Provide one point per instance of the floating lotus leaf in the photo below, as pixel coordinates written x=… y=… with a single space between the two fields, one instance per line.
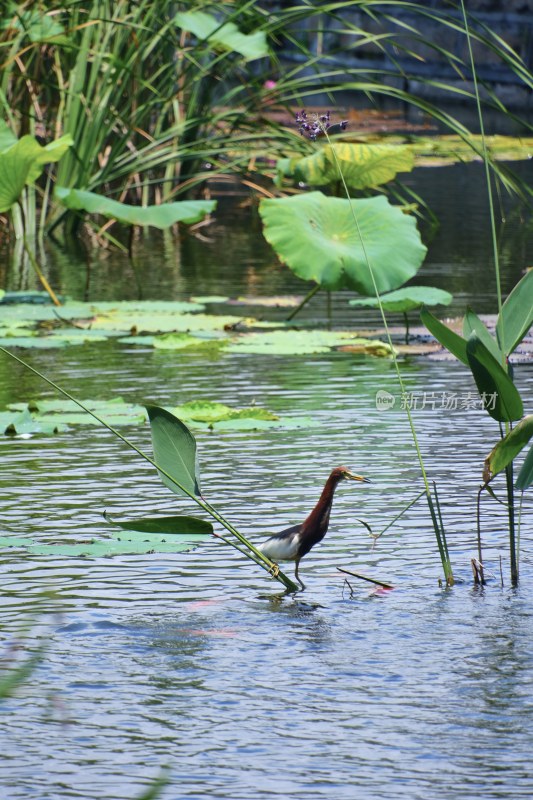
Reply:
x=316 y=236
x=121 y=543
x=297 y=342
x=53 y=416
x=407 y=299
x=159 y=216
x=363 y=165
x=208 y=411
x=225 y=36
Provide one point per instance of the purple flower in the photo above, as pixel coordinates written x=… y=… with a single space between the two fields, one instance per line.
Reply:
x=317 y=126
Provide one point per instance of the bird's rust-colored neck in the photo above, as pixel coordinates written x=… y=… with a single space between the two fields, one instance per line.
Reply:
x=318 y=519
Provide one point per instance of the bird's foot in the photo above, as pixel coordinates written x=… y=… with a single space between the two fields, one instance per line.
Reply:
x=274 y=571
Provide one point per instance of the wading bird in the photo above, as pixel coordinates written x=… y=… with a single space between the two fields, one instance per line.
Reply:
x=294 y=543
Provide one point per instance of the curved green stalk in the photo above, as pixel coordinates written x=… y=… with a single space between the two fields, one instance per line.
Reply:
x=254 y=554
x=439 y=531
x=496 y=256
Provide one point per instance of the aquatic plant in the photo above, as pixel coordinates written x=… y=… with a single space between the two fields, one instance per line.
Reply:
x=175 y=460
x=487 y=357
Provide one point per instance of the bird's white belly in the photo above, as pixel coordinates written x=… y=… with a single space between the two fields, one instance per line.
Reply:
x=281 y=549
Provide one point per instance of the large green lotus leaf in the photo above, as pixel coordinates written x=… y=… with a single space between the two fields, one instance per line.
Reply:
x=159 y=216
x=174 y=451
x=318 y=238
x=407 y=299
x=363 y=165
x=23 y=162
x=225 y=36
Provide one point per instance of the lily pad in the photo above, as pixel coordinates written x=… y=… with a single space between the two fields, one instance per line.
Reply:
x=300 y=342
x=119 y=544
x=208 y=411
x=53 y=416
x=318 y=238
x=407 y=299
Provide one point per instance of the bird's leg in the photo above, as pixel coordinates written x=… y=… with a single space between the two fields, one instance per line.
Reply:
x=302 y=584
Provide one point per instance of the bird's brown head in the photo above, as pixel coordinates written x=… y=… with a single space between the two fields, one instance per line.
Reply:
x=345 y=474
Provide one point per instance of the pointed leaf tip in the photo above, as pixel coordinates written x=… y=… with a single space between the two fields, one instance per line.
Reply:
x=174 y=451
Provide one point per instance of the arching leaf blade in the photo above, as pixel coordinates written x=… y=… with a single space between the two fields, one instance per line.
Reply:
x=525 y=476
x=506 y=450
x=473 y=324
x=180 y=525
x=174 y=451
x=454 y=343
x=498 y=392
x=516 y=316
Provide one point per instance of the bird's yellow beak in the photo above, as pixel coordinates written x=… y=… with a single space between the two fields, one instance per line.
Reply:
x=351 y=476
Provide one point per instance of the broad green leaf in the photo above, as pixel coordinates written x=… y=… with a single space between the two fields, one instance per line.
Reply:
x=124 y=542
x=317 y=238
x=159 y=216
x=165 y=526
x=208 y=411
x=363 y=165
x=15 y=541
x=300 y=342
x=7 y=137
x=174 y=451
x=473 y=324
x=406 y=299
x=499 y=394
x=454 y=343
x=225 y=36
x=525 y=476
x=23 y=162
x=118 y=545
x=517 y=315
x=508 y=448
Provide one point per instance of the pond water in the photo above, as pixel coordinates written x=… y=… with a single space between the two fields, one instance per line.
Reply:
x=198 y=661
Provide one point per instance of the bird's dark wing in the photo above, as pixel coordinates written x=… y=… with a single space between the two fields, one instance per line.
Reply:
x=288 y=532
